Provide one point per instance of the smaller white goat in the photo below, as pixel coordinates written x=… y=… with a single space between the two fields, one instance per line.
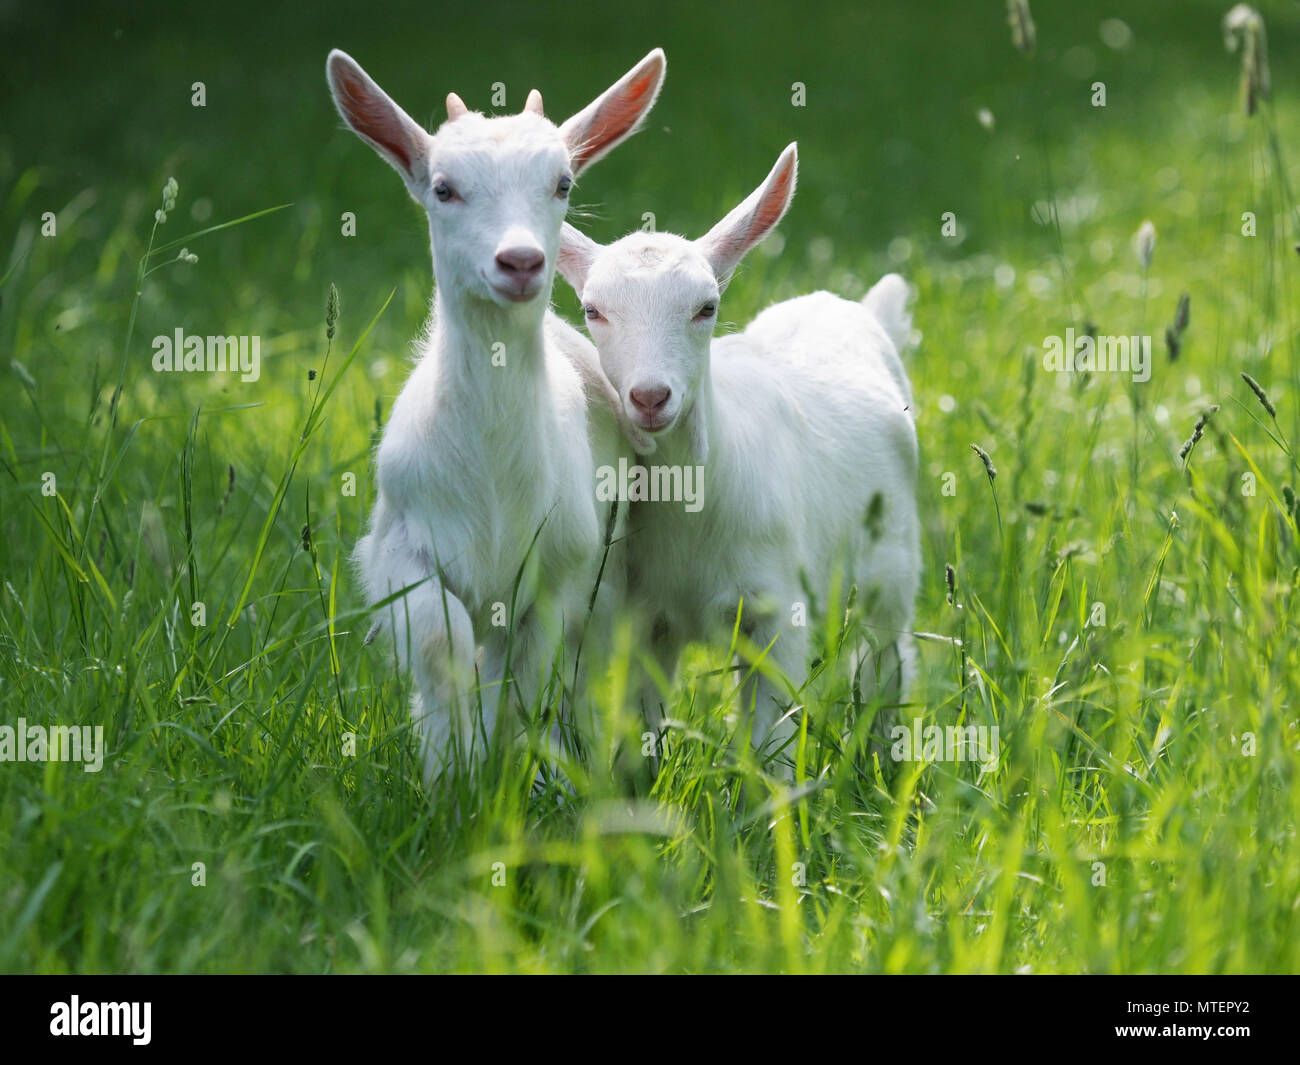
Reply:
x=803 y=428
x=486 y=512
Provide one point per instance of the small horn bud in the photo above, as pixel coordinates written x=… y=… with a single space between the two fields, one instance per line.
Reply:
x=455 y=107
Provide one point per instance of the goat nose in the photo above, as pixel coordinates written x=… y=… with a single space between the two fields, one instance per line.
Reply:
x=521 y=263
x=649 y=400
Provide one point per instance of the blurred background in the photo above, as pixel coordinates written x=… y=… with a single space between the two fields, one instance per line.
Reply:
x=95 y=103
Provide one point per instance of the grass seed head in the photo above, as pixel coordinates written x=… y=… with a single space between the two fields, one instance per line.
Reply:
x=331 y=311
x=1198 y=431
x=230 y=487
x=1258 y=389
x=168 y=200
x=989 y=468
x=1244 y=26
x=1144 y=243
x=1023 y=34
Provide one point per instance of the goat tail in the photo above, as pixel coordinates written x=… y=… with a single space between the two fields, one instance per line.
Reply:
x=887 y=300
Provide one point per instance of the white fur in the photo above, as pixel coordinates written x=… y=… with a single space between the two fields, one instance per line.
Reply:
x=485 y=471
x=800 y=422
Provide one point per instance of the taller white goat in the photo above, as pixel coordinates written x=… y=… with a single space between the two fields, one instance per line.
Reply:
x=803 y=430
x=486 y=510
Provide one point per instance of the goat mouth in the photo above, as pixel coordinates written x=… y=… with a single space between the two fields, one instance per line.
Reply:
x=513 y=294
x=653 y=426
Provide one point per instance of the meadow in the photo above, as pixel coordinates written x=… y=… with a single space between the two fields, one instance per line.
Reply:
x=1120 y=606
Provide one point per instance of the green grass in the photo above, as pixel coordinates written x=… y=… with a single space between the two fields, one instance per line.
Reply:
x=1124 y=744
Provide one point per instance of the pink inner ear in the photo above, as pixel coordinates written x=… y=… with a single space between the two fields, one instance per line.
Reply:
x=615 y=117
x=766 y=214
x=373 y=117
x=769 y=209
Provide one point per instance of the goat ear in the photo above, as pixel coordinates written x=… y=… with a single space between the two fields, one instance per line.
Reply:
x=377 y=120
x=577 y=253
x=616 y=114
x=726 y=243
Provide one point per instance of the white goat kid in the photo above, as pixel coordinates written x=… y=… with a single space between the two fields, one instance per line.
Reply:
x=485 y=468
x=803 y=428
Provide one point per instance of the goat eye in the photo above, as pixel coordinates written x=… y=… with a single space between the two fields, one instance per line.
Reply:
x=444 y=192
x=707 y=311
x=592 y=314
x=566 y=183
